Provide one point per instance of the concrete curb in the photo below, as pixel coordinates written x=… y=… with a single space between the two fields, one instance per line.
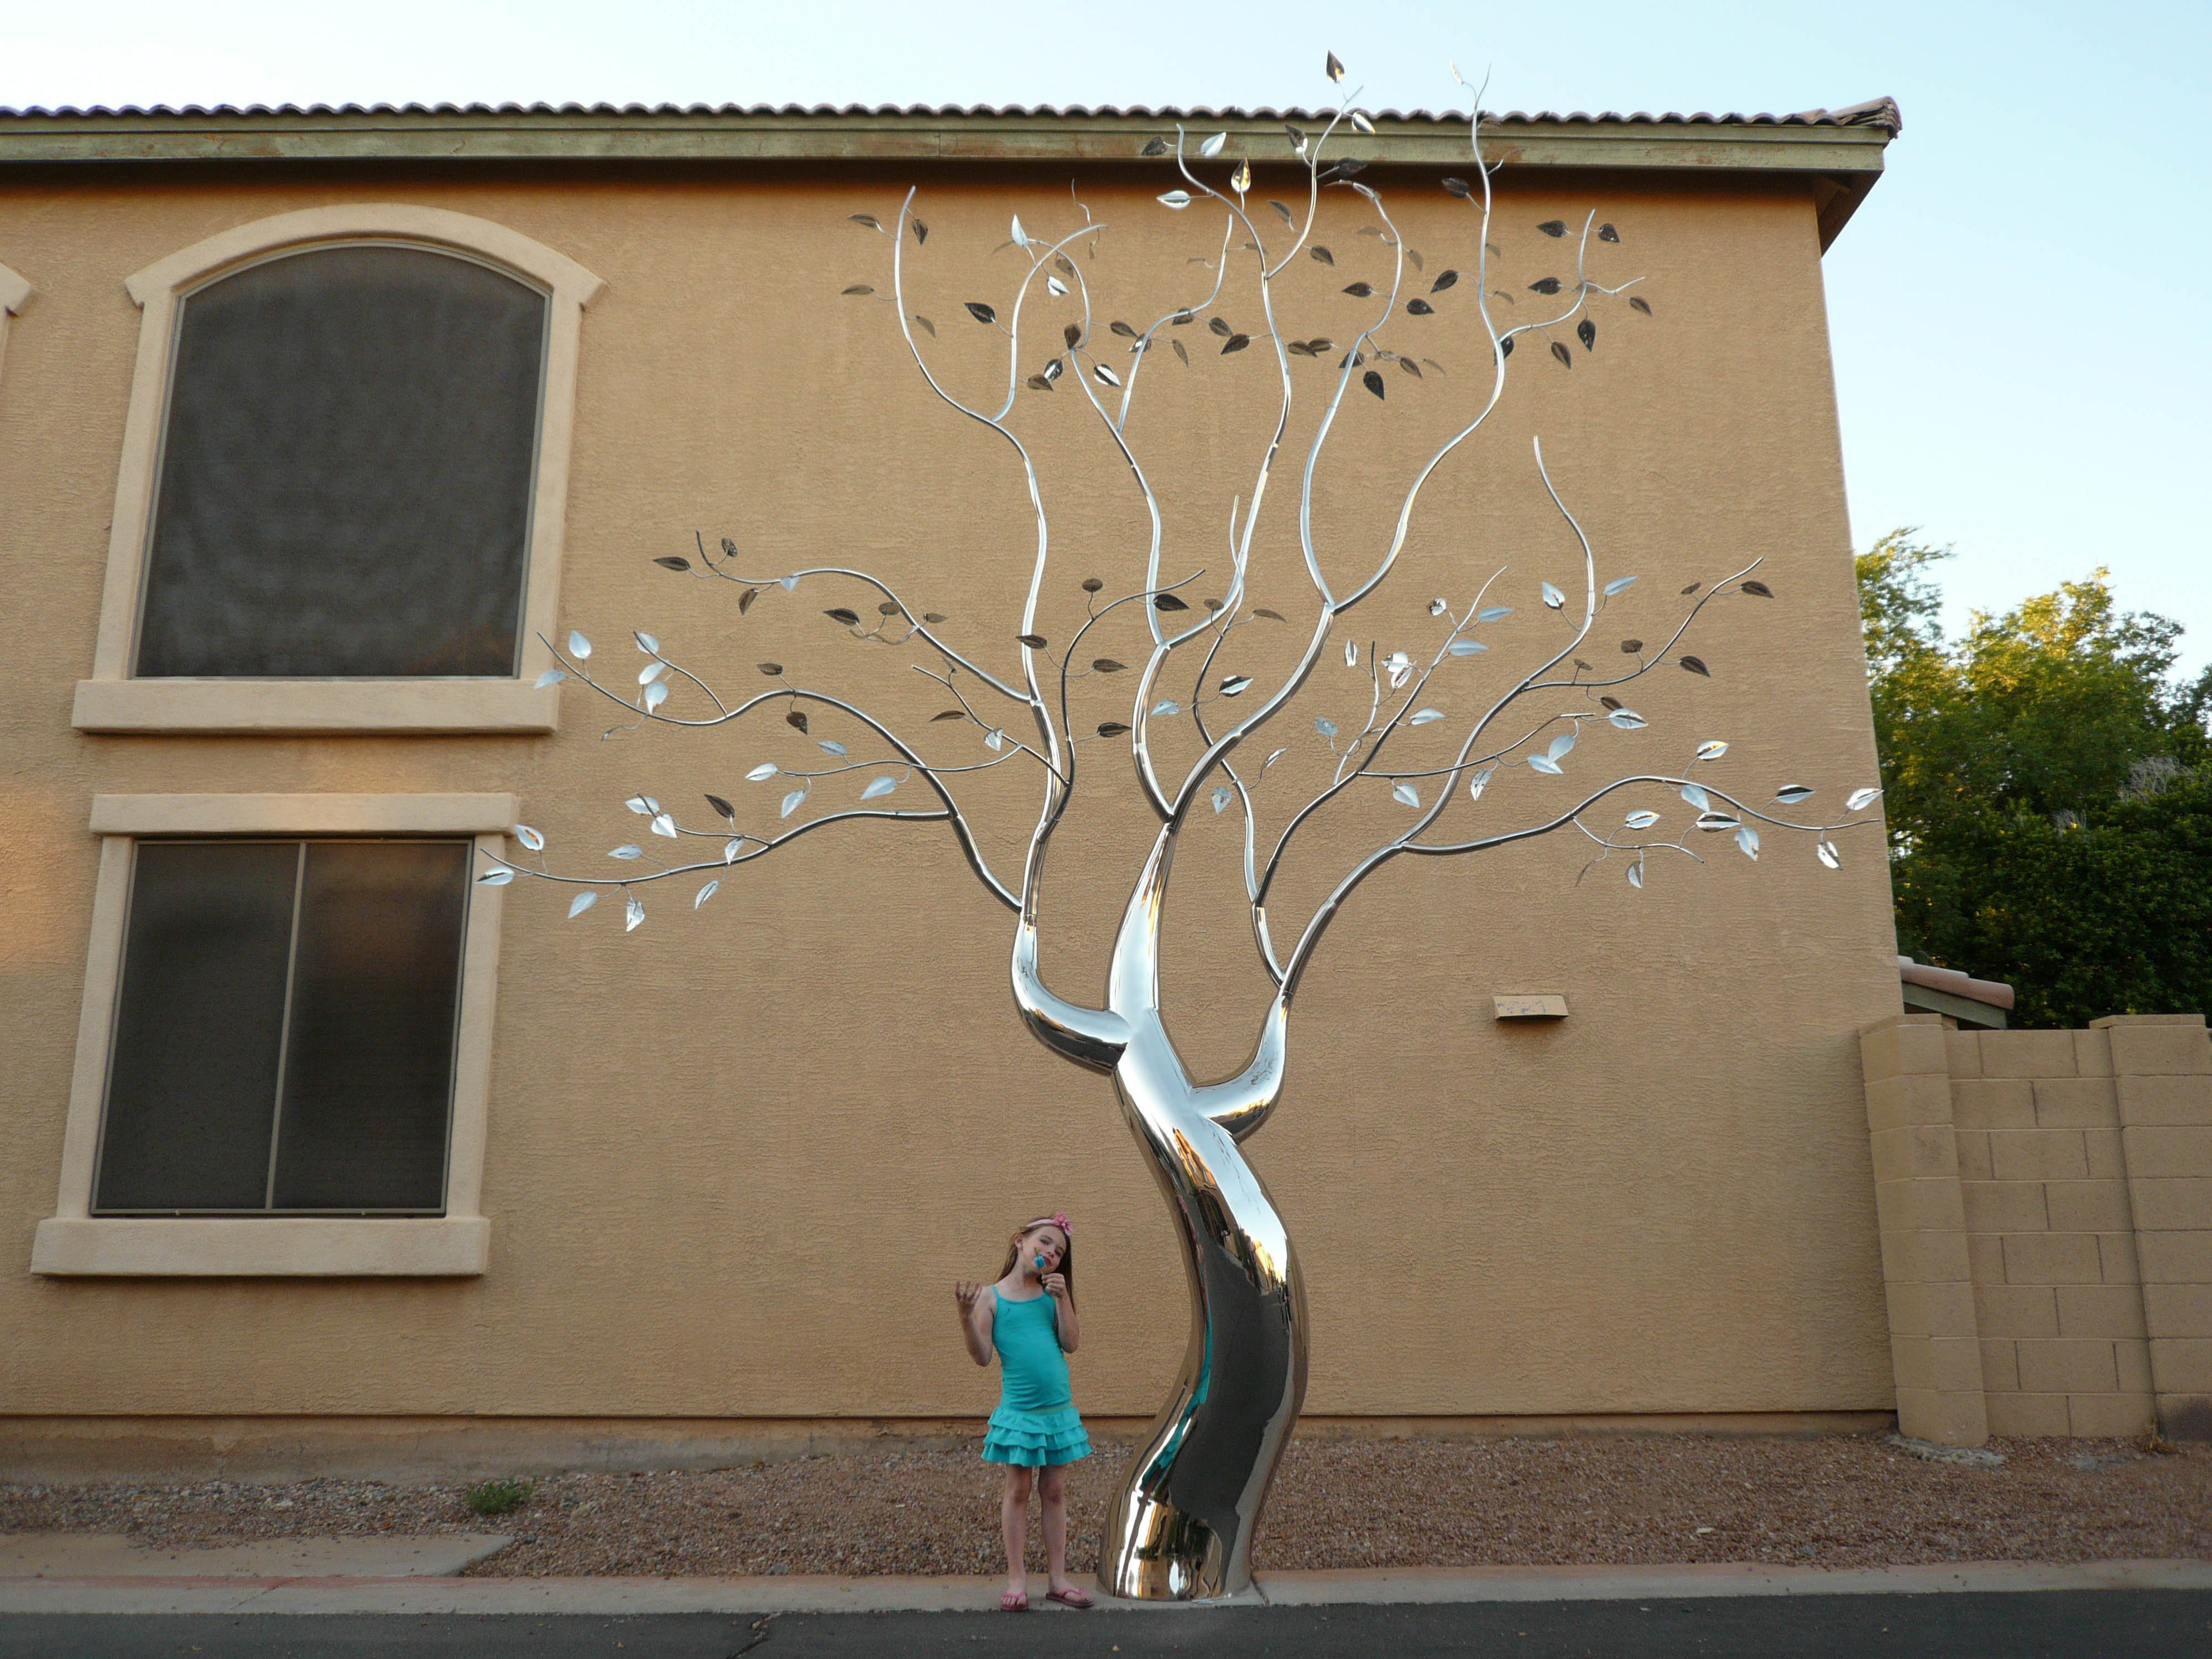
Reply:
x=797 y=1594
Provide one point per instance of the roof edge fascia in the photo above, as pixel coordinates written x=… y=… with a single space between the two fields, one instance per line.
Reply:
x=1847 y=156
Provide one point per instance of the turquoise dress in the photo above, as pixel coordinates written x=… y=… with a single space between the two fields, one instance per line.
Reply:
x=1036 y=1425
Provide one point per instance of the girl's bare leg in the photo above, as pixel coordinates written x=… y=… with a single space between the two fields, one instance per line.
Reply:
x=1014 y=1520
x=1052 y=1487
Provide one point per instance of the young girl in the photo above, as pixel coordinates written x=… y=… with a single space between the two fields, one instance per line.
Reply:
x=1028 y=1318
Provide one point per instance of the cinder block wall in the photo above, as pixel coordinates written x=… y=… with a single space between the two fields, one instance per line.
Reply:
x=2045 y=1200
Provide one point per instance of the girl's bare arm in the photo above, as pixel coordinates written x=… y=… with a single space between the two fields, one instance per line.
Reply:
x=976 y=1312
x=1063 y=1308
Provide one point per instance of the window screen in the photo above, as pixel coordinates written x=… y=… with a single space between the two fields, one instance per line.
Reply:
x=284 y=1029
x=346 y=470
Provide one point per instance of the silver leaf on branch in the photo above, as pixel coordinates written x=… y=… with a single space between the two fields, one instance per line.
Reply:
x=581 y=903
x=633 y=914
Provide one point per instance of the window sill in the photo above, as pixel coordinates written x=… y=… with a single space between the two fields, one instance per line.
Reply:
x=288 y=706
x=244 y=1246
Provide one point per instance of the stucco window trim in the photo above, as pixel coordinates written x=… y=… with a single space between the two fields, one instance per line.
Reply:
x=113 y=700
x=73 y=1243
x=15 y=294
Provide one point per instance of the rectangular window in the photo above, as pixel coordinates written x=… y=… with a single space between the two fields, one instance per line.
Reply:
x=285 y=1027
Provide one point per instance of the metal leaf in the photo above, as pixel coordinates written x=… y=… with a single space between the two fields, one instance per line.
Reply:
x=495 y=878
x=933 y=617
x=1619 y=584
x=1629 y=647
x=1167 y=707
x=655 y=695
x=1405 y=795
x=1178 y=199
x=706 y=893
x=831 y=745
x=982 y=313
x=1222 y=797
x=788 y=584
x=1627 y=719
x=1696 y=666
x=1464 y=648
x=1437 y=607
x=882 y=786
x=1791 y=794
x=858 y=290
x=1427 y=716
x=948 y=714
x=633 y=914
x=796 y=718
x=844 y=614
x=1182 y=351
x=1106 y=376
x=1479 y=782
x=995 y=739
x=770 y=669
x=651 y=671
x=731 y=847
x=551 y=676
x=1106 y=666
x=1607 y=233
x=1351 y=654
x=1361 y=124
x=1586 y=331
x=1326 y=726
x=1169 y=602
x=1560 y=745
x=1154 y=146
x=1543 y=763
x=1859 y=799
x=1712 y=748
x=1241 y=180
x=1418 y=308
x=762 y=773
x=722 y=807
x=1271 y=615
x=626 y=852
x=1636 y=874
x=1236 y=684
x=1335 y=66
x=1826 y=852
x=1212 y=147
x=1112 y=728
x=867 y=219
x=1359 y=290
x=1641 y=818
x=646 y=643
x=1322 y=254
x=1020 y=237
x=581 y=903
x=529 y=838
x=920 y=232
x=1492 y=613
x=1713 y=822
x=1759 y=588
x=1372 y=381
x=663 y=825
x=1554 y=227
x=1566 y=357
x=1236 y=342
x=644 y=805
x=1458 y=187
x=1553 y=598
x=1696 y=796
x=579 y=647
x=1640 y=303
x=745 y=599
x=1092 y=585
x=1748 y=839
x=1035 y=641
x=1545 y=285
x=791 y=803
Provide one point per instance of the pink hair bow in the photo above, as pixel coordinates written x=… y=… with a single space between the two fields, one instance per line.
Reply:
x=1059 y=1220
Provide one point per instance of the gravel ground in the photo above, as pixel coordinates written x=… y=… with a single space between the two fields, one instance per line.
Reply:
x=1836 y=1501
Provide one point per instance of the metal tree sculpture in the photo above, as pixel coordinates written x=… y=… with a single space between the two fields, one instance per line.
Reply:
x=1182 y=1525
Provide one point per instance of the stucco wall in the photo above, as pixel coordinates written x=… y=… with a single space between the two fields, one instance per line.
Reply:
x=736 y=1158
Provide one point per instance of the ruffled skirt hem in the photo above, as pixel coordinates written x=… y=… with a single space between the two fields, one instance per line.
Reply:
x=1029 y=1439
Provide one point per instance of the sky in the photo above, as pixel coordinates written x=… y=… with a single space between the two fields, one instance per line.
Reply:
x=2022 y=350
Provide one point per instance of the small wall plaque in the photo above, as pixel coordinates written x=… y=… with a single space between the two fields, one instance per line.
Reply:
x=1531 y=1007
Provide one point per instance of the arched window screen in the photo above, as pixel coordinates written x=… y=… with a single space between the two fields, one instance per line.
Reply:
x=346 y=470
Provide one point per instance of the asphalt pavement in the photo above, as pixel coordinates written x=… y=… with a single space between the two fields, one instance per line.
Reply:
x=2105 y=1624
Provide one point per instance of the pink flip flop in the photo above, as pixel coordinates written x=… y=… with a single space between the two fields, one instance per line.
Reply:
x=1013 y=1601
x=1070 y=1598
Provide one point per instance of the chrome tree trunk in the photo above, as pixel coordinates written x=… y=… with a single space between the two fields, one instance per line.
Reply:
x=1182 y=1523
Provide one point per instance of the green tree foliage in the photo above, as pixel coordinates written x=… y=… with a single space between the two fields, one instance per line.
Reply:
x=2050 y=793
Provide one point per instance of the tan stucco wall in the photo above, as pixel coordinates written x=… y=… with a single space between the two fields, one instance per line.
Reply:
x=735 y=1158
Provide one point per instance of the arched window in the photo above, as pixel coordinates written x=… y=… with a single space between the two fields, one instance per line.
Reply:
x=344 y=478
